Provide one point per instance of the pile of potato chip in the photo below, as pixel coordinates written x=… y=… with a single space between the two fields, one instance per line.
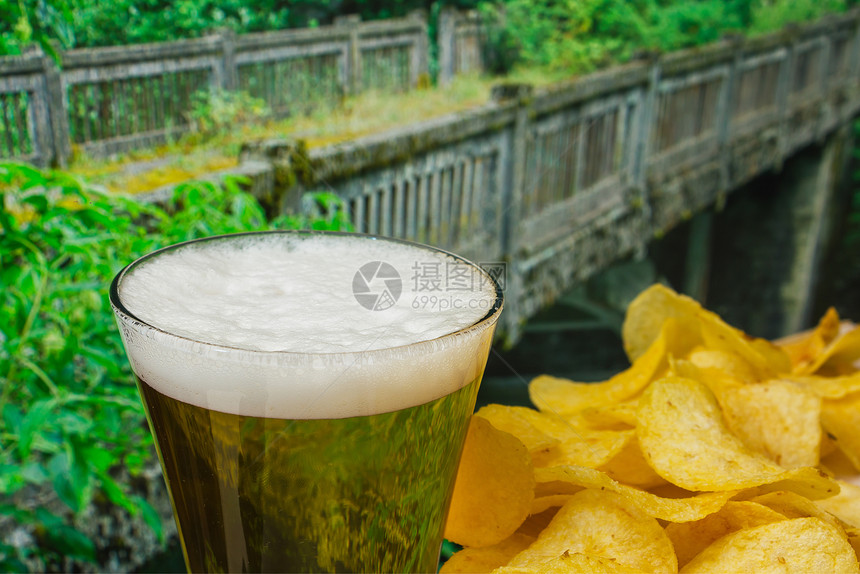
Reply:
x=713 y=452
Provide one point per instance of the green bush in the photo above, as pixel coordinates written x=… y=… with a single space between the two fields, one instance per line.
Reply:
x=577 y=36
x=70 y=416
x=215 y=112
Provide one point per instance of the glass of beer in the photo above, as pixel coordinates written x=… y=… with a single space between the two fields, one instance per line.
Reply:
x=309 y=394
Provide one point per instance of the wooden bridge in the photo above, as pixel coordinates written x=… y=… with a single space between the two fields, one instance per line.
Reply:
x=560 y=182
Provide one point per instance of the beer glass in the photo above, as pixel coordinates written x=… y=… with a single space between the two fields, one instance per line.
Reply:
x=309 y=394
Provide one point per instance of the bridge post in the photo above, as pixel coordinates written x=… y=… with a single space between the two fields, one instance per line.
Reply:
x=725 y=111
x=783 y=91
x=642 y=137
x=513 y=182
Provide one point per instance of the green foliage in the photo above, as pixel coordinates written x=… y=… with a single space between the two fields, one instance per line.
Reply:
x=215 y=112
x=99 y=23
x=767 y=16
x=39 y=22
x=579 y=35
x=70 y=416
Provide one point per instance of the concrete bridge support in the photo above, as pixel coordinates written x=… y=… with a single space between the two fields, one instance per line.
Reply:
x=768 y=244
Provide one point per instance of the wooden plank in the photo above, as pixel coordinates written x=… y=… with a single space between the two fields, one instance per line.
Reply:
x=401 y=186
x=20 y=113
x=457 y=172
x=8 y=125
x=386 y=212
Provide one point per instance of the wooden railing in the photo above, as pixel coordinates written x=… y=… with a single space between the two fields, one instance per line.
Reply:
x=110 y=100
x=558 y=182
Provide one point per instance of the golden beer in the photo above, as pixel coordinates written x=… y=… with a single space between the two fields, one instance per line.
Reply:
x=304 y=458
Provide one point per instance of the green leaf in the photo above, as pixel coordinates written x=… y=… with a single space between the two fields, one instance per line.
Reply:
x=38 y=201
x=33 y=421
x=150 y=516
x=35 y=473
x=116 y=494
x=72 y=480
x=10 y=478
x=68 y=541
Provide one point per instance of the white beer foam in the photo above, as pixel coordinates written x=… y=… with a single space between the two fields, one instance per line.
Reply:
x=269 y=325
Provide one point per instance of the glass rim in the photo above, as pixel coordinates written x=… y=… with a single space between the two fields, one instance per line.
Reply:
x=123 y=312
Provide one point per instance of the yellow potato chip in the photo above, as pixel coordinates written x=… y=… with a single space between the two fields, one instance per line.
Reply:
x=792 y=505
x=828 y=387
x=487 y=558
x=564 y=397
x=651 y=308
x=840 y=418
x=684 y=438
x=690 y=538
x=524 y=424
x=853 y=535
x=845 y=506
x=804 y=348
x=600 y=523
x=836 y=462
x=620 y=416
x=574 y=563
x=630 y=467
x=717 y=381
x=591 y=448
x=777 y=419
x=671 y=509
x=494 y=488
x=552 y=440
x=716 y=362
x=839 y=358
x=795 y=545
x=536 y=523
x=543 y=503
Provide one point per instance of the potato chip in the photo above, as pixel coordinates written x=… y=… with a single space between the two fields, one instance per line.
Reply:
x=717 y=381
x=524 y=424
x=711 y=432
x=487 y=558
x=650 y=309
x=777 y=419
x=840 y=357
x=552 y=440
x=574 y=563
x=543 y=503
x=684 y=438
x=836 y=462
x=792 y=505
x=690 y=538
x=537 y=523
x=671 y=509
x=564 y=397
x=853 y=535
x=494 y=488
x=794 y=545
x=804 y=348
x=620 y=416
x=716 y=362
x=630 y=467
x=591 y=448
x=603 y=524
x=840 y=418
x=828 y=387
x=845 y=506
